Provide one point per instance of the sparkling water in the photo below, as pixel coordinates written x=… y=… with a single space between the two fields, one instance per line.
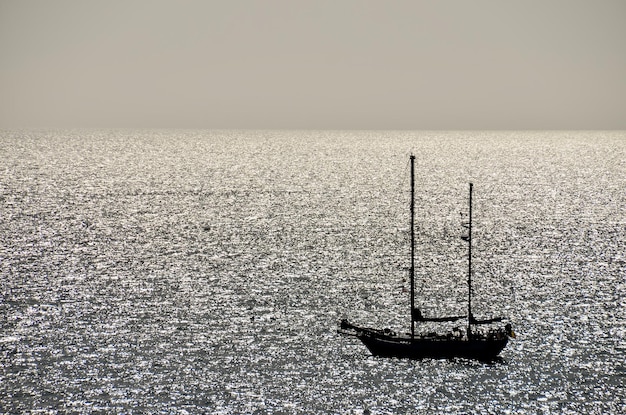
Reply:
x=206 y=271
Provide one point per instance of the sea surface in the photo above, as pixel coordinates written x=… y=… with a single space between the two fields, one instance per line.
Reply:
x=206 y=271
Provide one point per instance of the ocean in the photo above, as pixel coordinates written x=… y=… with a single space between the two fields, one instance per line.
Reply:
x=206 y=271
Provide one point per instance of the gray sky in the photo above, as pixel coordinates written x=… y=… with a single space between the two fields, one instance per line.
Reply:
x=313 y=64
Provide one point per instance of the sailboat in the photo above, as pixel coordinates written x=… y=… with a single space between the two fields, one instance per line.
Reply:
x=472 y=344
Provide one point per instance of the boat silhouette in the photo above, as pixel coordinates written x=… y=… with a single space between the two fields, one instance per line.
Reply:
x=471 y=343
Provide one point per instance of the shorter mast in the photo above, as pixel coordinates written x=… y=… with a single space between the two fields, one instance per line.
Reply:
x=469 y=268
x=412 y=270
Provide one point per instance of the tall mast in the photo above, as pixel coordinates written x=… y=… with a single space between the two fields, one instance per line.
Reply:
x=412 y=271
x=469 y=268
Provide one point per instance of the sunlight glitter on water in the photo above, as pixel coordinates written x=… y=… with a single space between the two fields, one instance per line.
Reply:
x=206 y=271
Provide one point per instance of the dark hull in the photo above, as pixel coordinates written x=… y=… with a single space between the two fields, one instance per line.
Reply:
x=420 y=348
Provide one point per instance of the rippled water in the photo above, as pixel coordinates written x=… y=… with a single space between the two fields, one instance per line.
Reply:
x=176 y=272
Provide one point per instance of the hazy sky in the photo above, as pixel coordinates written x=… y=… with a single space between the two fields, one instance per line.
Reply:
x=315 y=64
